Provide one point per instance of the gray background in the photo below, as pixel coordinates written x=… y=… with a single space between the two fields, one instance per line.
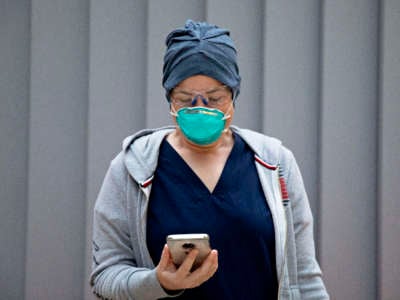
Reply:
x=78 y=76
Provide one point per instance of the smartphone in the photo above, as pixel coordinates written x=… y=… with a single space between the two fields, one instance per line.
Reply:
x=181 y=244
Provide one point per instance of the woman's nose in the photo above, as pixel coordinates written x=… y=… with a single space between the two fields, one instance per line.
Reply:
x=196 y=102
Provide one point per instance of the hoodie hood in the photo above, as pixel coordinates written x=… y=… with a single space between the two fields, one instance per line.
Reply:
x=141 y=152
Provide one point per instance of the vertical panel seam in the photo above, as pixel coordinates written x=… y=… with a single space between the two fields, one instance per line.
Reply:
x=262 y=100
x=145 y=59
x=319 y=126
x=379 y=61
x=28 y=155
x=87 y=245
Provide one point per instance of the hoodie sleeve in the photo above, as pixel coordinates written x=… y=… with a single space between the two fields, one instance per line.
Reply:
x=115 y=272
x=309 y=274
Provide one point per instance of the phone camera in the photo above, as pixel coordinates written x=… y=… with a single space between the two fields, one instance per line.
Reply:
x=188 y=246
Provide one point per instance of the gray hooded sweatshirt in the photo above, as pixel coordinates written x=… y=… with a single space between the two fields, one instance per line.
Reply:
x=122 y=266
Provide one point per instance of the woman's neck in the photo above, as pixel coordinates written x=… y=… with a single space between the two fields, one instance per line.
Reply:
x=180 y=142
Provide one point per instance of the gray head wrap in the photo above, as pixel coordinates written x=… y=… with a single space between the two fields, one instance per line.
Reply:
x=200 y=49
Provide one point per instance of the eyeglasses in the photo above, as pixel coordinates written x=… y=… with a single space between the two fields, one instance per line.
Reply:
x=214 y=98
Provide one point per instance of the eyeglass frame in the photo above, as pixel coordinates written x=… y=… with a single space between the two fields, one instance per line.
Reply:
x=205 y=99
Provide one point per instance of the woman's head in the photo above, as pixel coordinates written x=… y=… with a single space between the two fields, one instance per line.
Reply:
x=203 y=108
x=200 y=49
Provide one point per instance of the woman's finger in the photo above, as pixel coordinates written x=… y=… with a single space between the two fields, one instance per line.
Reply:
x=213 y=263
x=162 y=265
x=205 y=271
x=186 y=266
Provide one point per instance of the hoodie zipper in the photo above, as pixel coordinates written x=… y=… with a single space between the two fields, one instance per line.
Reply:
x=283 y=266
x=270 y=183
x=275 y=190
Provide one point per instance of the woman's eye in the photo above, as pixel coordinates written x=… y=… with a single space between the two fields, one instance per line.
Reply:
x=214 y=100
x=185 y=100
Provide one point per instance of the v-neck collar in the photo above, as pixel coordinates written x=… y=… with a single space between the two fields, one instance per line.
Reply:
x=195 y=178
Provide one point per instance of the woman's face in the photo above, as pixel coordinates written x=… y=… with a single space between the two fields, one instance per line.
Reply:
x=200 y=90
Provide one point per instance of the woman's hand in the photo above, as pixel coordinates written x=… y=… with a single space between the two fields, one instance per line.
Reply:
x=173 y=278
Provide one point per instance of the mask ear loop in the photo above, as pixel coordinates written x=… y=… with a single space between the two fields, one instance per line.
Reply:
x=227 y=116
x=172 y=111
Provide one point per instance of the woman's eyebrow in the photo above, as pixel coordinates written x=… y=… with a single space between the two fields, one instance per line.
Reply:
x=184 y=92
x=215 y=89
x=212 y=90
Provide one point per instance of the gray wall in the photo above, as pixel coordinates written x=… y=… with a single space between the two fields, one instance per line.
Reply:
x=78 y=76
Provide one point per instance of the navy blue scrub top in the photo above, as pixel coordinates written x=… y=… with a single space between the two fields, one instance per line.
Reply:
x=235 y=215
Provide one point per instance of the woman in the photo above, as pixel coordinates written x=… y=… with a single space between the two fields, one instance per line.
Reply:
x=204 y=176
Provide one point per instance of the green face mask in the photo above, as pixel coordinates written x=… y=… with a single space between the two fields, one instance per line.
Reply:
x=201 y=125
